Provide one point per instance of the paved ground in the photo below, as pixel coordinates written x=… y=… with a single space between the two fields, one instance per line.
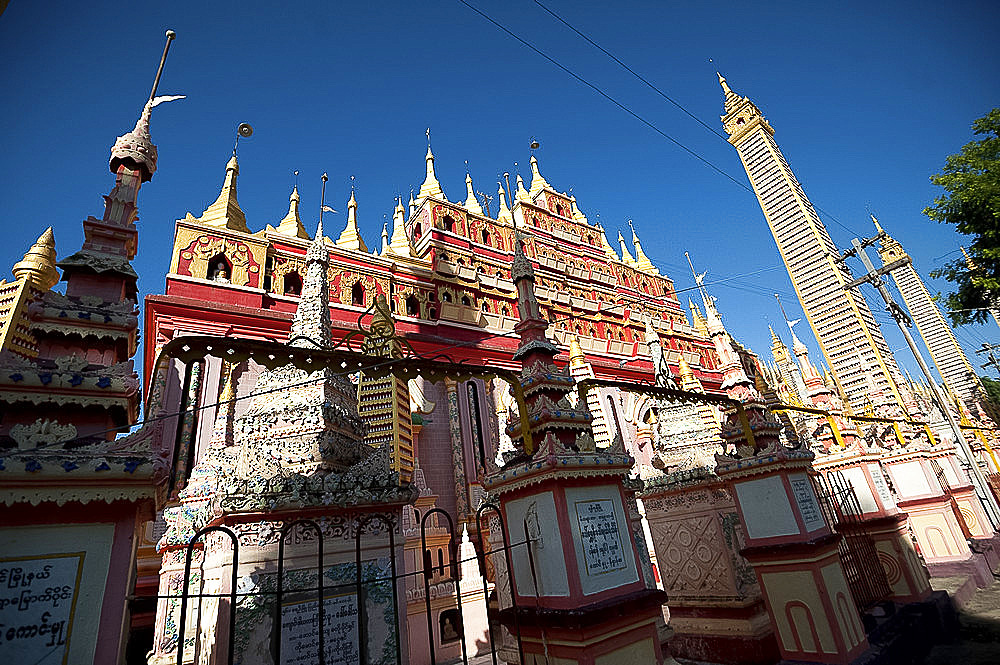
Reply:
x=979 y=633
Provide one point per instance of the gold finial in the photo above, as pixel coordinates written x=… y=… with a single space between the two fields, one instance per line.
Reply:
x=430 y=186
x=686 y=373
x=350 y=238
x=642 y=261
x=878 y=227
x=291 y=224
x=400 y=243
x=471 y=202
x=503 y=212
x=609 y=251
x=576 y=357
x=39 y=263
x=697 y=320
x=577 y=215
x=226 y=212
x=626 y=255
x=725 y=86
x=522 y=193
x=538 y=183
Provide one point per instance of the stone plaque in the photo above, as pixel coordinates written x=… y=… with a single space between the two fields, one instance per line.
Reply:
x=602 y=542
x=878 y=479
x=300 y=631
x=805 y=499
x=37 y=599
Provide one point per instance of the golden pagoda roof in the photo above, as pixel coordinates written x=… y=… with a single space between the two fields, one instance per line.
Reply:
x=39 y=263
x=538 y=183
x=471 y=202
x=291 y=224
x=350 y=238
x=226 y=212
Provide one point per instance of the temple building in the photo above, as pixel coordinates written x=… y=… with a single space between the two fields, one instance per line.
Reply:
x=841 y=320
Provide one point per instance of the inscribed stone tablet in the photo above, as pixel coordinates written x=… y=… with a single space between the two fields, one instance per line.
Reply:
x=37 y=600
x=300 y=631
x=602 y=543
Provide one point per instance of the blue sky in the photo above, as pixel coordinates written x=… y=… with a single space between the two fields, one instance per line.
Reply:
x=866 y=102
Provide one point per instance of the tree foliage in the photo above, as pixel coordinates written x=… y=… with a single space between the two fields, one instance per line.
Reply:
x=971 y=179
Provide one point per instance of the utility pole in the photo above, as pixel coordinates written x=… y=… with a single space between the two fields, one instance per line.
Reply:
x=874 y=277
x=988 y=349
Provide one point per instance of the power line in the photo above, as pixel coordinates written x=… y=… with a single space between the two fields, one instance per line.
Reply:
x=626 y=109
x=607 y=96
x=631 y=71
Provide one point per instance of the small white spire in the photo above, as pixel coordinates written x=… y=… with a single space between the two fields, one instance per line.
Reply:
x=400 y=243
x=350 y=238
x=431 y=186
x=471 y=202
x=385 y=238
x=503 y=212
x=522 y=193
x=538 y=183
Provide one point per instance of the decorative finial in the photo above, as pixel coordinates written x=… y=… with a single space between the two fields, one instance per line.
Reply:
x=430 y=186
x=503 y=212
x=878 y=226
x=39 y=263
x=291 y=224
x=400 y=242
x=135 y=149
x=725 y=86
x=471 y=202
x=350 y=237
x=322 y=207
x=226 y=212
x=538 y=183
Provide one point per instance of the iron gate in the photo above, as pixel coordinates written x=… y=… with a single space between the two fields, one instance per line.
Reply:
x=359 y=586
x=858 y=556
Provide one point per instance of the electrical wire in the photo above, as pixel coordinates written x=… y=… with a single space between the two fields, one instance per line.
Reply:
x=641 y=78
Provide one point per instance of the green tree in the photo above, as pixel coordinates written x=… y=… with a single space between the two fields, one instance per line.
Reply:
x=971 y=179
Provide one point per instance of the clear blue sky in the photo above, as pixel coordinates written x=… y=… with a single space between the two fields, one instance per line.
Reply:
x=866 y=99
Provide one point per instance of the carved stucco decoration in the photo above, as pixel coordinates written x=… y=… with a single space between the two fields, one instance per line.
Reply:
x=41 y=432
x=193 y=259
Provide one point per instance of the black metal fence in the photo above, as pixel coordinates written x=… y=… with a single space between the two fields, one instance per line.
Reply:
x=865 y=575
x=225 y=651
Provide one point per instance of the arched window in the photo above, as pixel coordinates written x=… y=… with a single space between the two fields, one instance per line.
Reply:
x=485 y=306
x=431 y=297
x=219 y=269
x=292 y=284
x=440 y=561
x=446 y=297
x=466 y=301
x=412 y=306
x=449 y=223
x=559 y=210
x=433 y=313
x=506 y=310
x=357 y=294
x=417 y=231
x=486 y=237
x=475 y=424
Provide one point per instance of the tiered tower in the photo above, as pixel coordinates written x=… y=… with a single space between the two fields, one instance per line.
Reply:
x=947 y=354
x=840 y=318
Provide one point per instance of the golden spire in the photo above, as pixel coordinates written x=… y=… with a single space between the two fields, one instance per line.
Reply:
x=349 y=237
x=626 y=256
x=413 y=204
x=576 y=357
x=471 y=202
x=722 y=82
x=696 y=318
x=400 y=243
x=431 y=186
x=39 y=264
x=878 y=227
x=503 y=213
x=522 y=193
x=642 y=261
x=226 y=212
x=577 y=215
x=731 y=98
x=609 y=251
x=291 y=224
x=538 y=183
x=688 y=379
